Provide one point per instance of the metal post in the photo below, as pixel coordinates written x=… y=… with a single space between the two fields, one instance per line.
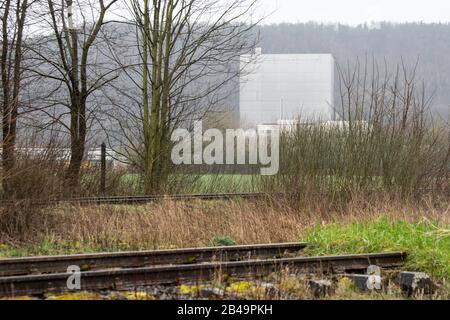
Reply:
x=103 y=170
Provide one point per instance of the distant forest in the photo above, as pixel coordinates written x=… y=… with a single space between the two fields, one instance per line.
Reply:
x=427 y=43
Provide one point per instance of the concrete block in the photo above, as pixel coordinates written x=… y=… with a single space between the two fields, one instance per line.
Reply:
x=374 y=271
x=366 y=283
x=321 y=288
x=416 y=282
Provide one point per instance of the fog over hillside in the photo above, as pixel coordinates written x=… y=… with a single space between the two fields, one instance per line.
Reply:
x=429 y=44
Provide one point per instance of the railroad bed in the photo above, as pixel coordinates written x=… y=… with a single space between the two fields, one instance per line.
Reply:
x=116 y=271
x=146 y=199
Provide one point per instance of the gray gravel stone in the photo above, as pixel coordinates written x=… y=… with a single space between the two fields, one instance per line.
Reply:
x=321 y=288
x=366 y=283
x=416 y=282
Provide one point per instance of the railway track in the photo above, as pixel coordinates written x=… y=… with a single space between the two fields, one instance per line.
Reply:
x=119 y=271
x=148 y=199
x=144 y=199
x=90 y=262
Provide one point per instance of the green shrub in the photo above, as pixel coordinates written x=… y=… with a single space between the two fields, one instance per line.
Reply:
x=222 y=241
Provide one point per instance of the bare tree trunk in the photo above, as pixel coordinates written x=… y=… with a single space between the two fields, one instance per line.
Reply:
x=74 y=55
x=76 y=121
x=11 y=48
x=6 y=93
x=161 y=173
x=145 y=96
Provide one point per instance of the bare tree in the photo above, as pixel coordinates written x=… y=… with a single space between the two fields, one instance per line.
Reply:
x=65 y=60
x=188 y=50
x=13 y=22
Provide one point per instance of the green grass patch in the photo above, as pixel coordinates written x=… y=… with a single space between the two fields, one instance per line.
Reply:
x=48 y=248
x=223 y=183
x=193 y=183
x=427 y=243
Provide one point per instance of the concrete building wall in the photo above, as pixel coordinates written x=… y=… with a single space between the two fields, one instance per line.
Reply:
x=286 y=86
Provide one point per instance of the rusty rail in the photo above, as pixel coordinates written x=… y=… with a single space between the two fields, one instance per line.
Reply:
x=90 y=262
x=157 y=275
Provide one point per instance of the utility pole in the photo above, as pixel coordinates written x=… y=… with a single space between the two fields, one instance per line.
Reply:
x=103 y=170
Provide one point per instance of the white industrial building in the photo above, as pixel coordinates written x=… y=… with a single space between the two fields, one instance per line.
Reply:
x=286 y=87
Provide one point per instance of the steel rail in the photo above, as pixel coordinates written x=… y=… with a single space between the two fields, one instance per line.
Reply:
x=132 y=278
x=143 y=199
x=89 y=262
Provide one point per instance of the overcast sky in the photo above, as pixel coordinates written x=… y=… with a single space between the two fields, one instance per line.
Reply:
x=356 y=11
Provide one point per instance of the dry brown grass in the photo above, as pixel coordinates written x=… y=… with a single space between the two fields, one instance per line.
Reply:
x=189 y=224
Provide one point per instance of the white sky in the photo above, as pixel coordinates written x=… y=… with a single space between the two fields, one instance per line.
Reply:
x=356 y=11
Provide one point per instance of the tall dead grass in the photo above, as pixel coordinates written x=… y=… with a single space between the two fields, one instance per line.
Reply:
x=182 y=224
